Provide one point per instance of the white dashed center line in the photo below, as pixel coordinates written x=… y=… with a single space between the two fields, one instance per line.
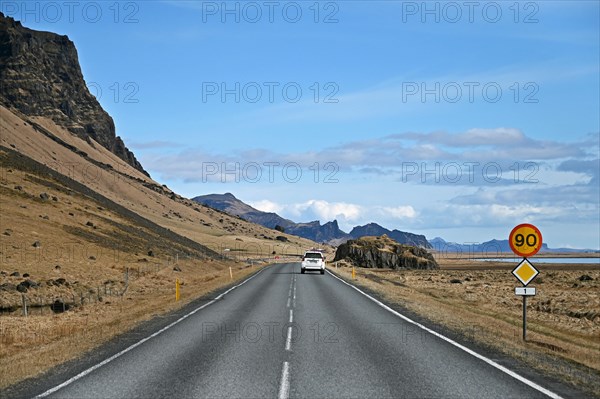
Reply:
x=284 y=385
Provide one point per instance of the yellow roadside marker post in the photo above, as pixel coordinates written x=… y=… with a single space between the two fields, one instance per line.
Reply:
x=177 y=290
x=230 y=273
x=353 y=273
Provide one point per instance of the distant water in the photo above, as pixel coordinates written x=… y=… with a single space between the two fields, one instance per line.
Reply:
x=545 y=260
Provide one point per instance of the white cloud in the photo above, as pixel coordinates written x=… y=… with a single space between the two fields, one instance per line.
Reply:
x=490 y=216
x=400 y=212
x=336 y=210
x=348 y=215
x=323 y=211
x=524 y=212
x=266 y=206
x=501 y=148
x=471 y=138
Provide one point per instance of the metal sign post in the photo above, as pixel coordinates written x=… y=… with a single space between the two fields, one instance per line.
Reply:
x=524 y=318
x=525 y=292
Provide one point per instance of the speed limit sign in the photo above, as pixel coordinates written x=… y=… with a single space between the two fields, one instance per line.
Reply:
x=525 y=240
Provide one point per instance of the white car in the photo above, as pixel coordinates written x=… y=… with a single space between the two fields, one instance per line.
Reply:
x=313 y=260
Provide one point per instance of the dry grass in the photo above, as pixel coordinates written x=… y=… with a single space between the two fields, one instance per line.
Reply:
x=31 y=345
x=563 y=319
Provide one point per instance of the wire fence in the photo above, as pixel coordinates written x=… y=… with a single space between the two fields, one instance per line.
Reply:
x=35 y=303
x=40 y=303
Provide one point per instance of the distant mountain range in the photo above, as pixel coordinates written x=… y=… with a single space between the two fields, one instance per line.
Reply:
x=491 y=247
x=329 y=232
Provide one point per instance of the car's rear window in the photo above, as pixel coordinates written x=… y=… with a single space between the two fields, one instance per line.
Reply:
x=313 y=255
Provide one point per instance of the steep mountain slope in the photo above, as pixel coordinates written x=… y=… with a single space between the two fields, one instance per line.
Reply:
x=41 y=76
x=104 y=173
x=230 y=204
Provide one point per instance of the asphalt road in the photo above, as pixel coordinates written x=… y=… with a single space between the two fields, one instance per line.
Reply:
x=286 y=334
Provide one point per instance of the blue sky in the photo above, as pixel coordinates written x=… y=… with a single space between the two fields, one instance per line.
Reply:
x=449 y=119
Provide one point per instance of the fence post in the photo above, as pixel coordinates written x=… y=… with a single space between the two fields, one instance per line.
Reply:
x=24 y=301
x=126 y=282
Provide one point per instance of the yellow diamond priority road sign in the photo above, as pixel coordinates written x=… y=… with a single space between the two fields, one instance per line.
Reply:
x=525 y=272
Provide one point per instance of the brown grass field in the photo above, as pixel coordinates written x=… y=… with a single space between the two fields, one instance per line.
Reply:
x=33 y=344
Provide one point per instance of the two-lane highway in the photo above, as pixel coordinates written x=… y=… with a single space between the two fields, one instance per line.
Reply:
x=286 y=334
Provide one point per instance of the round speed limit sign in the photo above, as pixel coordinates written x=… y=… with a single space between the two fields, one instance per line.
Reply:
x=525 y=240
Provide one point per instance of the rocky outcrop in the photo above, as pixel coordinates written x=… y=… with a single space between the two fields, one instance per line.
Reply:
x=383 y=252
x=40 y=76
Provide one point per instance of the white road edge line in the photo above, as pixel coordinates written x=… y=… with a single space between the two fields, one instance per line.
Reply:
x=456 y=344
x=128 y=349
x=284 y=385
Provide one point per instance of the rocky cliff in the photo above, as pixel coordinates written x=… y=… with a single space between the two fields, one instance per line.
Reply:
x=316 y=232
x=40 y=76
x=383 y=252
